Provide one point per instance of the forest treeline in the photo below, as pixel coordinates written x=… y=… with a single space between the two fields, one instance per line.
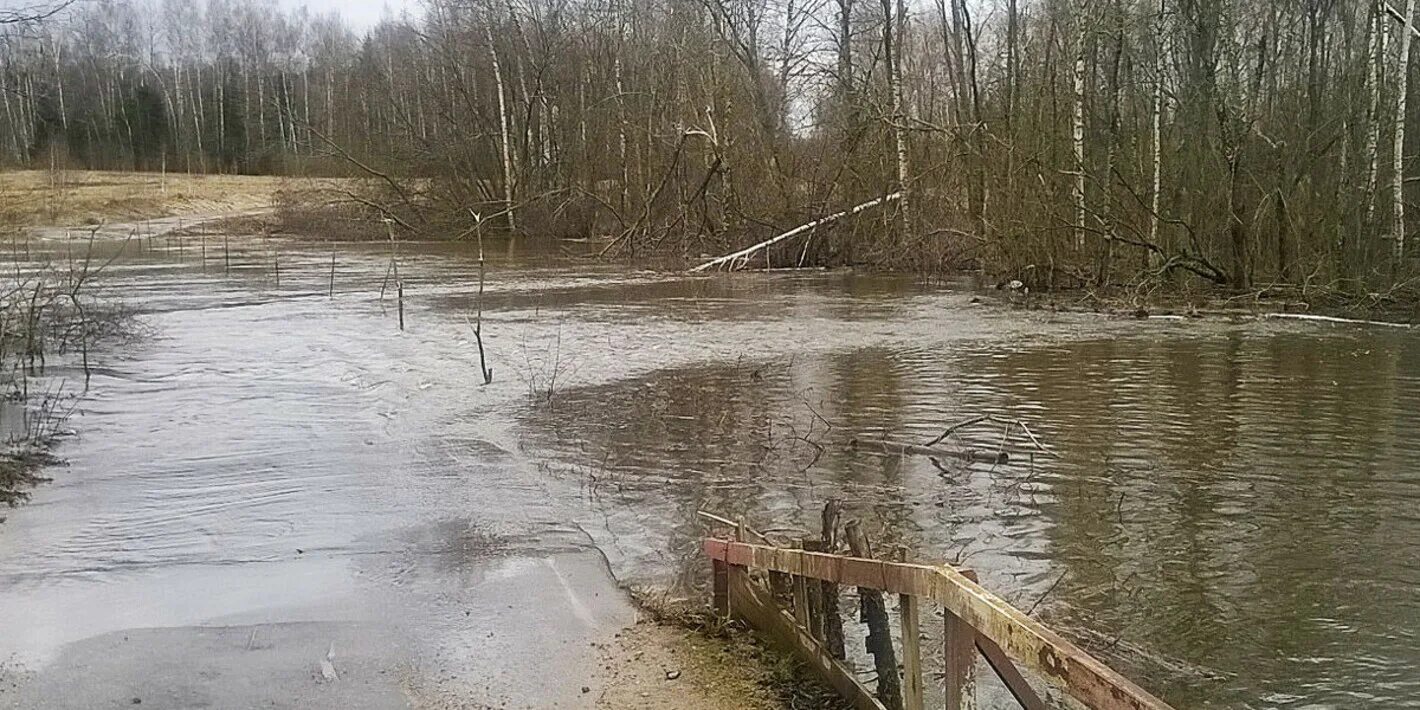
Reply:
x=1245 y=143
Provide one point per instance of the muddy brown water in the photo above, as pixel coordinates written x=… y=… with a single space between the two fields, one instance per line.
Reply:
x=1231 y=520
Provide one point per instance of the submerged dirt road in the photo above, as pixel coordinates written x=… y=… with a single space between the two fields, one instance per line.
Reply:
x=280 y=500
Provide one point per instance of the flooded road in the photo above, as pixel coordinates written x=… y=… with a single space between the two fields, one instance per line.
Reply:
x=1232 y=519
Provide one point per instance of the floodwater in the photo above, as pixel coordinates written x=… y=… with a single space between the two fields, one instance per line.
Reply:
x=1231 y=516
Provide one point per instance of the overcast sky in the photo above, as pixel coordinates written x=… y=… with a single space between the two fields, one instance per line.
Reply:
x=361 y=14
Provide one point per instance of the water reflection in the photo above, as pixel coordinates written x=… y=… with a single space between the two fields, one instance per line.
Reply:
x=1231 y=518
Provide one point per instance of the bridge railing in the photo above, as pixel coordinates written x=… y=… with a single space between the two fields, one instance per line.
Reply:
x=780 y=592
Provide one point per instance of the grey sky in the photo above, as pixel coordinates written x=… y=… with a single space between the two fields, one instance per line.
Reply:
x=361 y=14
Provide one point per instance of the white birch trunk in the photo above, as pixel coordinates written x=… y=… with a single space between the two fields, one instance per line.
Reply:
x=1156 y=125
x=1398 y=183
x=899 y=117
x=621 y=137
x=197 y=111
x=503 y=129
x=59 y=83
x=1077 y=125
x=1376 y=70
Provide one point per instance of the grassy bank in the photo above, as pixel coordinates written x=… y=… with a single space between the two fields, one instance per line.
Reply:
x=64 y=198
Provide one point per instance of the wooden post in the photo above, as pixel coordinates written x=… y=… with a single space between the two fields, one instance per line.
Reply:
x=331 y=294
x=911 y=653
x=780 y=587
x=801 y=601
x=816 y=601
x=720 y=572
x=832 y=619
x=400 y=287
x=960 y=663
x=879 y=641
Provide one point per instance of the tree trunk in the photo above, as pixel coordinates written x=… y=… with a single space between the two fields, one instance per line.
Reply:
x=894 y=27
x=1077 y=125
x=1156 y=132
x=503 y=130
x=1398 y=181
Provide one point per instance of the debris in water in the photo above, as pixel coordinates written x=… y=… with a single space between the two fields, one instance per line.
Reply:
x=327 y=665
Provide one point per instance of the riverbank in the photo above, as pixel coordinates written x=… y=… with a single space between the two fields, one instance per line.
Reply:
x=1397 y=307
x=665 y=664
x=305 y=215
x=21 y=469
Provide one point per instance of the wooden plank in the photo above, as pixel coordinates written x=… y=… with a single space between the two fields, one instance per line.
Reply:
x=1022 y=638
x=960 y=661
x=911 y=652
x=755 y=608
x=1009 y=674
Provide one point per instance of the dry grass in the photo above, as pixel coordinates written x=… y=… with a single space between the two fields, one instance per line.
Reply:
x=31 y=198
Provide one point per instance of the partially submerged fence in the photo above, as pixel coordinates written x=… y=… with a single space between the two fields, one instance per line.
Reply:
x=750 y=580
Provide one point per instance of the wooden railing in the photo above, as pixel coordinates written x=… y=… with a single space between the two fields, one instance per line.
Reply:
x=975 y=621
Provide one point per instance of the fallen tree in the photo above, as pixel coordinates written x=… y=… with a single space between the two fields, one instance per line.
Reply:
x=743 y=255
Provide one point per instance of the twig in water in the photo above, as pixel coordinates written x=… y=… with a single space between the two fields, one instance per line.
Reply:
x=478 y=324
x=1047 y=592
x=958 y=425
